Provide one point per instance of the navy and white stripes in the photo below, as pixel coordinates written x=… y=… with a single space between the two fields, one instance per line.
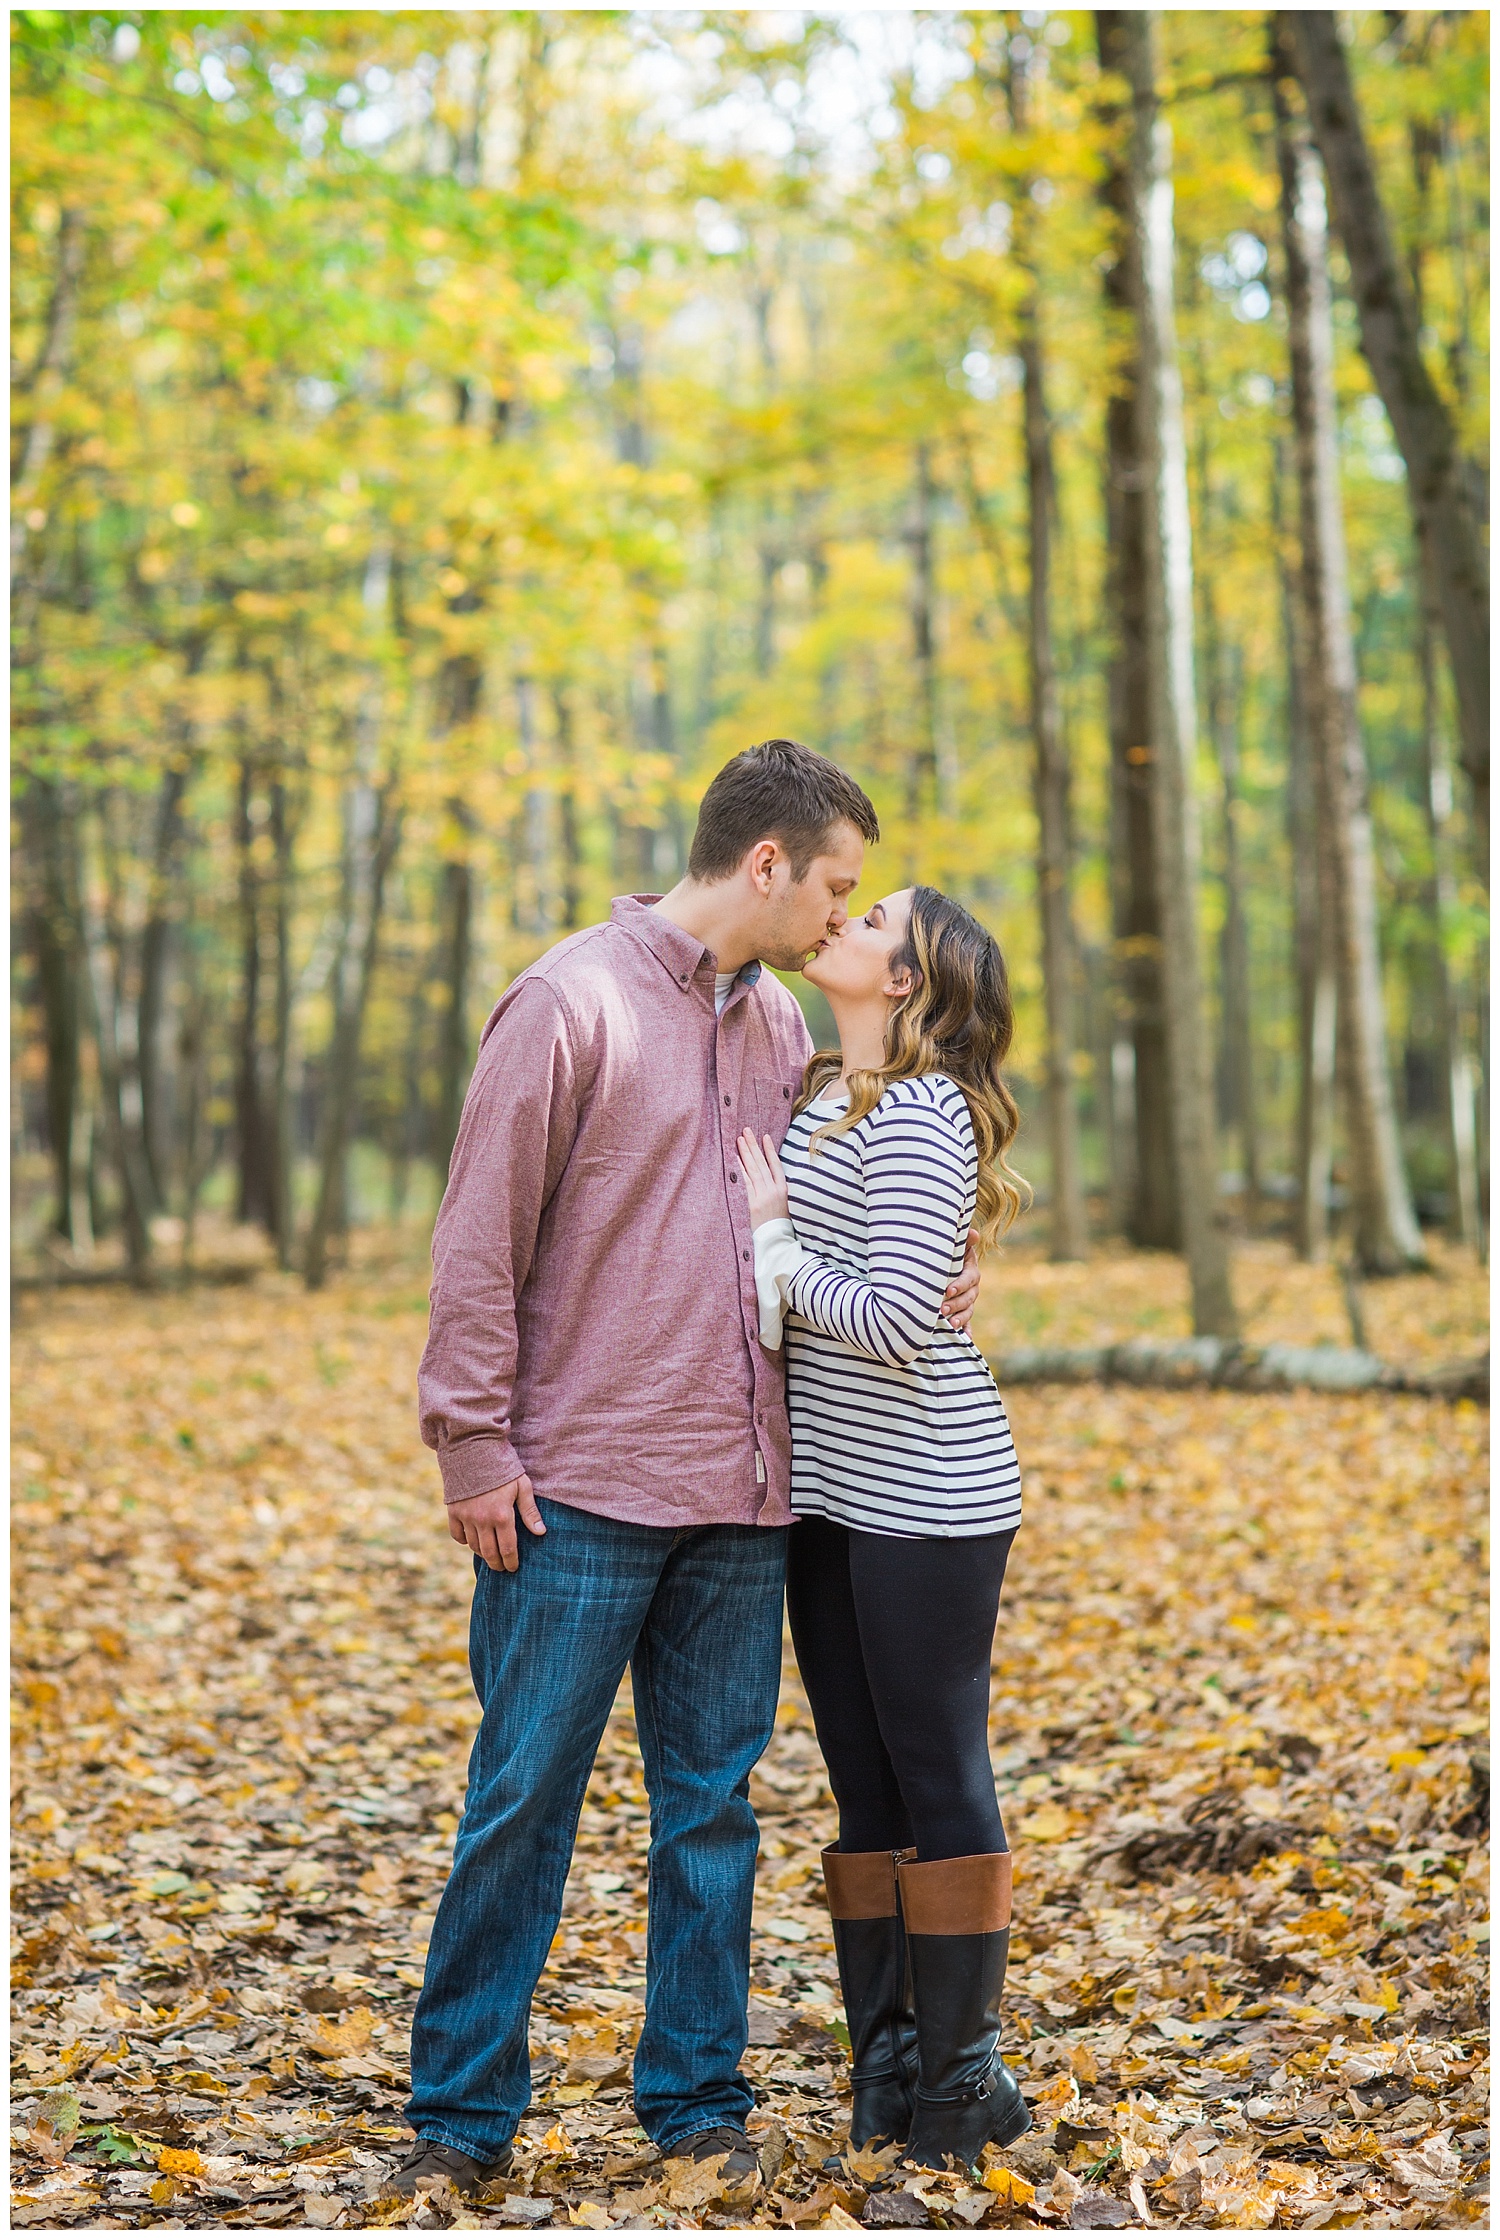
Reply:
x=896 y=1423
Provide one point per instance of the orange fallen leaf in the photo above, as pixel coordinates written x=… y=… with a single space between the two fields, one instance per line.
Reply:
x=1059 y=2098
x=1008 y=2187
x=1050 y=1824
x=351 y=2035
x=180 y=2162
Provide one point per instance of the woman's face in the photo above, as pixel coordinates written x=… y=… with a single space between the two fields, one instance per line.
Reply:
x=855 y=962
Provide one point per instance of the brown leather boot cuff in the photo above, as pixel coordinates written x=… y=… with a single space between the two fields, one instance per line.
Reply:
x=861 y=1885
x=957 y=1897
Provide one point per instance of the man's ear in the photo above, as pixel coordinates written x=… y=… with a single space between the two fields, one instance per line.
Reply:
x=762 y=861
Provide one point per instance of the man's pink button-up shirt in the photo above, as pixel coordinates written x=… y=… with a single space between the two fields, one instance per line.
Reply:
x=594 y=1314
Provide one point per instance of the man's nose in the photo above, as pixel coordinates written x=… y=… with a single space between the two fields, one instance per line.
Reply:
x=838 y=917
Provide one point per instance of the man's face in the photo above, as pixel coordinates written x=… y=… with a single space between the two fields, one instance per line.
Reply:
x=802 y=913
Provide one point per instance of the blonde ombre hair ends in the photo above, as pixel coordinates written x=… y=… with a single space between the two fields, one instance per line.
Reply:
x=958 y=1021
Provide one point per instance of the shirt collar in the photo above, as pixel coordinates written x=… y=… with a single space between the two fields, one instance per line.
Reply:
x=682 y=953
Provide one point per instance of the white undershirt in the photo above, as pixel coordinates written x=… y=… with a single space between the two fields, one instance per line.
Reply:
x=723 y=982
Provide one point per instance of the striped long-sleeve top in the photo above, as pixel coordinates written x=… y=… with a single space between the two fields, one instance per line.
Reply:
x=896 y=1423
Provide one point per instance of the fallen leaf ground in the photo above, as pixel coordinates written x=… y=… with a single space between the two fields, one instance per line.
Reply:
x=1238 y=1734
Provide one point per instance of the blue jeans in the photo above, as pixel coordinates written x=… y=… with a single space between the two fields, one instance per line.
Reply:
x=696 y=1614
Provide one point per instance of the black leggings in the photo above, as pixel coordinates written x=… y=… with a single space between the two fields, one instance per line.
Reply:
x=893 y=1641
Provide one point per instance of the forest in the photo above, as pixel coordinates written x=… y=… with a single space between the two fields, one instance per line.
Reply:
x=442 y=439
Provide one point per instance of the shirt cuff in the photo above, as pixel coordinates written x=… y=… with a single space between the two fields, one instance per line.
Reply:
x=481 y=1464
x=778 y=1256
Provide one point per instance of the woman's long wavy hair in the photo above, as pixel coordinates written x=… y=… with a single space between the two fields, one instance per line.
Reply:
x=957 y=1020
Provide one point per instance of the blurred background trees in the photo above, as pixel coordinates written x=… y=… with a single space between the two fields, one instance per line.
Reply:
x=442 y=439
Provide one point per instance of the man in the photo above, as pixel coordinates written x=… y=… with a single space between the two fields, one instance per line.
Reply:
x=594 y=1368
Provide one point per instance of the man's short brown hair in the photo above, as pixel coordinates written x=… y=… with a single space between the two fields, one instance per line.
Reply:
x=776 y=791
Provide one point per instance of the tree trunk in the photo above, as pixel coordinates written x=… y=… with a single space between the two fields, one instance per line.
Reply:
x=1385 y=1233
x=63 y=956
x=1314 y=916
x=1050 y=761
x=1182 y=1364
x=1225 y=688
x=642 y=849
x=410 y=1131
x=1050 y=787
x=672 y=847
x=635 y=858
x=1428 y=148
x=157 y=1129
x=251 y=1119
x=48 y=821
x=373 y=833
x=1153 y=1219
x=193 y=1045
x=534 y=913
x=115 y=1041
x=1444 y=513
x=531 y=91
x=460 y=687
x=1458 y=1071
x=455 y=1053
x=46 y=384
x=283 y=1165
x=1173 y=729
x=570 y=834
x=1124 y=1177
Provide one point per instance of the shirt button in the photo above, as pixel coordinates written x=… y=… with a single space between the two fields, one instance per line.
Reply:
x=744 y=1255
x=786 y=1092
x=726 y=1100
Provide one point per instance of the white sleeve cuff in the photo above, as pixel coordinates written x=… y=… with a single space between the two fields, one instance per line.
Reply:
x=778 y=1256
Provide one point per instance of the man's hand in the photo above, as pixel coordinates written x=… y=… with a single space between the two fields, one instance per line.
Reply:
x=962 y=1295
x=487 y=1522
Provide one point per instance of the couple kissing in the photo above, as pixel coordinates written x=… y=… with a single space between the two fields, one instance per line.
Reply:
x=699 y=1345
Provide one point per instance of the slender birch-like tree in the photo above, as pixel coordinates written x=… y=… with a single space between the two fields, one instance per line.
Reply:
x=1449 y=534
x=1173 y=734
x=1050 y=759
x=1152 y=1216
x=1386 y=1236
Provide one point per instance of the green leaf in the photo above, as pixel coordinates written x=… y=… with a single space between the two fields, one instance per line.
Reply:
x=113 y=2146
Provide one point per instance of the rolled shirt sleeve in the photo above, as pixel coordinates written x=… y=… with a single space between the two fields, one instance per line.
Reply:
x=519 y=1122
x=778 y=1256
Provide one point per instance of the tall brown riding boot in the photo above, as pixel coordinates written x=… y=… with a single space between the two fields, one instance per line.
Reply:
x=958 y=1936
x=864 y=1900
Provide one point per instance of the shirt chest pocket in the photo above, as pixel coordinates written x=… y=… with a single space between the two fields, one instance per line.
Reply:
x=765 y=1107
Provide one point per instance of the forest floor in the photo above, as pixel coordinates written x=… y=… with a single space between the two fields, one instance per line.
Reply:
x=1238 y=1732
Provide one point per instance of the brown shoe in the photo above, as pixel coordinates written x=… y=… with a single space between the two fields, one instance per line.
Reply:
x=740 y=2158
x=431 y=2161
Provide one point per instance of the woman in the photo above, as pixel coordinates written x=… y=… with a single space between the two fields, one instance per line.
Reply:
x=906 y=1484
